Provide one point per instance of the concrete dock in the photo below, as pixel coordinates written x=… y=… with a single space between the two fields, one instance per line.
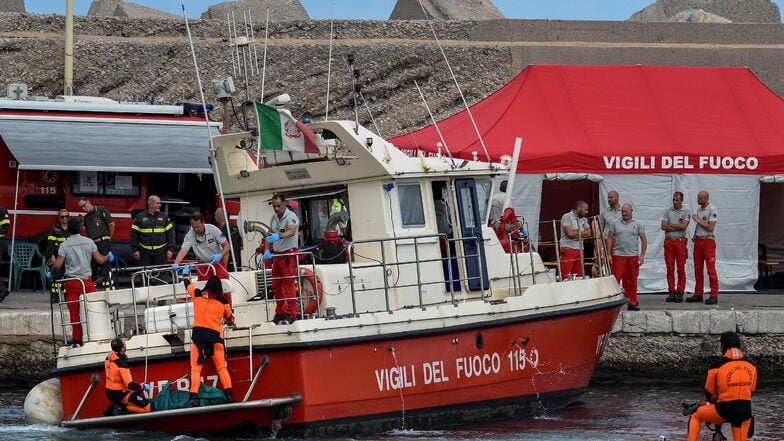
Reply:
x=666 y=341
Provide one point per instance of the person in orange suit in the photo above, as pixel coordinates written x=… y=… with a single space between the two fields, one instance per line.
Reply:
x=729 y=385
x=210 y=309
x=120 y=387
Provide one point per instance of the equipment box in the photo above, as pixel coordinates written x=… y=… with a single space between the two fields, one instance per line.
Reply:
x=169 y=318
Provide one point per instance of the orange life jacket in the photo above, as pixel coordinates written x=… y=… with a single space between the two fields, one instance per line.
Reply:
x=732 y=378
x=118 y=374
x=208 y=311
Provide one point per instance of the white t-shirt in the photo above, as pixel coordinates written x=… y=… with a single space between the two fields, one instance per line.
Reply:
x=207 y=245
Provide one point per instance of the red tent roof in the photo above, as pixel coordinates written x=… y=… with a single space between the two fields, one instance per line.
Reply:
x=622 y=119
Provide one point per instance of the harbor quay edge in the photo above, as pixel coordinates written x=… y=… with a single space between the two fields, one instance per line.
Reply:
x=662 y=342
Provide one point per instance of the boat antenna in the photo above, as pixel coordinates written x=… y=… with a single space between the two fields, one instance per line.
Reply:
x=372 y=120
x=329 y=59
x=249 y=31
x=212 y=154
x=246 y=63
x=356 y=88
x=264 y=63
x=365 y=103
x=435 y=124
x=233 y=36
x=263 y=83
x=454 y=78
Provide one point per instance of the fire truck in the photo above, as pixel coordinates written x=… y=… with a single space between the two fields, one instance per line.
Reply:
x=54 y=151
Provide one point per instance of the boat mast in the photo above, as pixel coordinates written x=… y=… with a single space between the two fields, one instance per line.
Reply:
x=69 y=52
x=355 y=88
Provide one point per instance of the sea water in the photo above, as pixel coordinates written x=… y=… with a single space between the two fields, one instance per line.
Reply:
x=621 y=412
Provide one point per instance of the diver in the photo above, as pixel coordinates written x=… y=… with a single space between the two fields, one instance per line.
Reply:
x=120 y=387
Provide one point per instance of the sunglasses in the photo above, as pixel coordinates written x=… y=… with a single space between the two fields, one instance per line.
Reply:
x=65 y=216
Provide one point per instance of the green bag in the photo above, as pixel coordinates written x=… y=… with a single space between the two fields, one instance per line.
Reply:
x=169 y=398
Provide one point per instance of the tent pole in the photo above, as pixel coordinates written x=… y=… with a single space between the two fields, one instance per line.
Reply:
x=13 y=229
x=512 y=172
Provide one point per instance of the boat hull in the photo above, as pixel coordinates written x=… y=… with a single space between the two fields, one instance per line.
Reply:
x=490 y=368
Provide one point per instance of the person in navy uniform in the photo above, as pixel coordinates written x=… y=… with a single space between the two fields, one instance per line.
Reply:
x=152 y=235
x=97 y=222
x=57 y=235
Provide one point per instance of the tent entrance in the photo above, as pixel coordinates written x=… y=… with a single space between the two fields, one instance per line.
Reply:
x=558 y=197
x=771 y=236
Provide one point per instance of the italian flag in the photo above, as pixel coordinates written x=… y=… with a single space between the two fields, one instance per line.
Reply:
x=278 y=130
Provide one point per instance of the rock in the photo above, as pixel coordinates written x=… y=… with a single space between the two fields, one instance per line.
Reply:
x=279 y=10
x=737 y=11
x=12 y=6
x=103 y=8
x=132 y=10
x=698 y=16
x=120 y=8
x=446 y=10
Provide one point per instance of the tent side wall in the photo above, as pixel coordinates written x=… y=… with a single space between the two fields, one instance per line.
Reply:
x=736 y=198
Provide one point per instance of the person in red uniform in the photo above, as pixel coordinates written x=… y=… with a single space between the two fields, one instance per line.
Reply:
x=120 y=387
x=76 y=254
x=210 y=308
x=674 y=222
x=574 y=228
x=705 y=250
x=730 y=383
x=284 y=241
x=629 y=244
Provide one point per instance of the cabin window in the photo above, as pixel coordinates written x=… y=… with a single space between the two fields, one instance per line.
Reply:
x=115 y=184
x=467 y=206
x=411 y=212
x=483 y=195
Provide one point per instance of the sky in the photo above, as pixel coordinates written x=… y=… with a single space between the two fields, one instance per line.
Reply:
x=380 y=9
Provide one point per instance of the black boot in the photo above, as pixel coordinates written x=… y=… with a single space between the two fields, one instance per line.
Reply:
x=229 y=396
x=193 y=401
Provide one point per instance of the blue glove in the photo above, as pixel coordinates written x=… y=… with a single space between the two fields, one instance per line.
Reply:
x=267 y=255
x=146 y=387
x=217 y=258
x=525 y=232
x=186 y=270
x=272 y=238
x=175 y=267
x=48 y=274
x=110 y=256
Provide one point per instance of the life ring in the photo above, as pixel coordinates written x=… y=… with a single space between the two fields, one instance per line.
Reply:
x=309 y=291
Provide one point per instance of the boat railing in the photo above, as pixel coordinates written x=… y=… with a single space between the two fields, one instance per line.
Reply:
x=304 y=275
x=239 y=357
x=64 y=306
x=397 y=265
x=520 y=249
x=144 y=280
x=593 y=252
x=156 y=286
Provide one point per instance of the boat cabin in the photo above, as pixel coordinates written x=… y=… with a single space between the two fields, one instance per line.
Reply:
x=411 y=231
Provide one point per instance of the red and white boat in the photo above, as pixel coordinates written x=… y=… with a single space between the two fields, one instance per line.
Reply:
x=413 y=313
